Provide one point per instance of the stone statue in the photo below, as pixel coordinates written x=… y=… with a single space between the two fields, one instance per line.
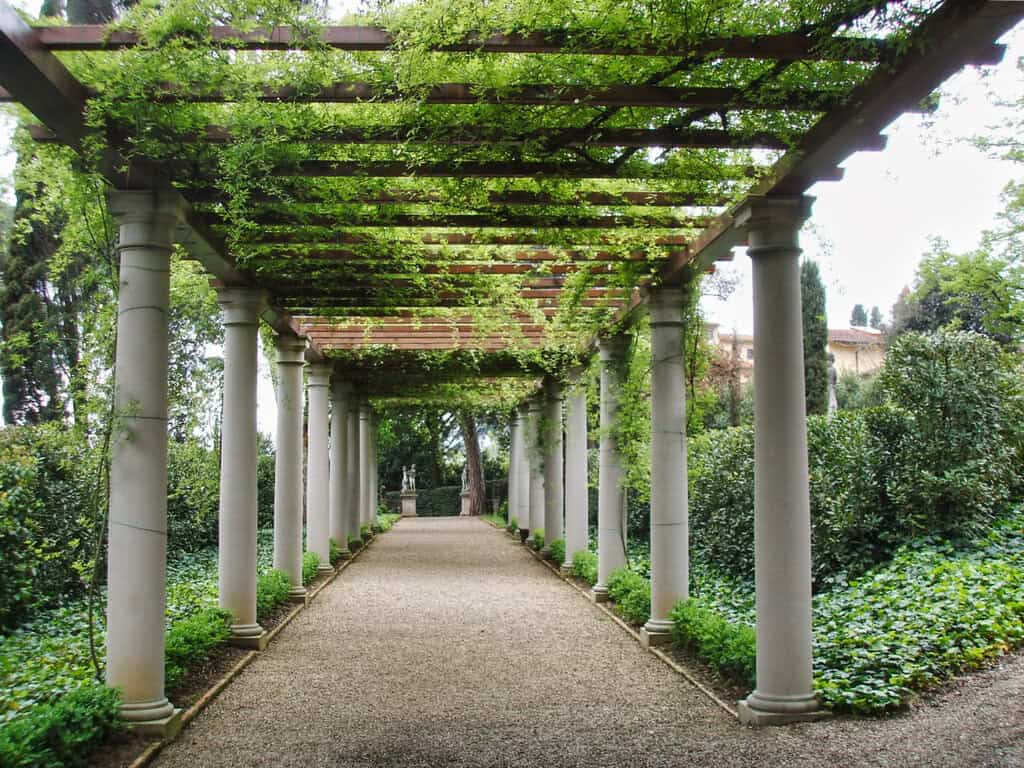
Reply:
x=465 y=478
x=408 y=479
x=412 y=478
x=833 y=379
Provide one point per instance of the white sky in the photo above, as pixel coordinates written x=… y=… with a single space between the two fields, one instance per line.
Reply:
x=869 y=231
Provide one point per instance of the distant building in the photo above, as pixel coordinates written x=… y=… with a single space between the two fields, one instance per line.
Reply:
x=857 y=350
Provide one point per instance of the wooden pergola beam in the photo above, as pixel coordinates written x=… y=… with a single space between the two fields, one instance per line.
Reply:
x=474 y=221
x=469 y=260
x=543 y=95
x=446 y=238
x=632 y=198
x=786 y=46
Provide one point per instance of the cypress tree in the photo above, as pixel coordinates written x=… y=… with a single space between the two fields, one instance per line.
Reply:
x=859 y=316
x=815 y=325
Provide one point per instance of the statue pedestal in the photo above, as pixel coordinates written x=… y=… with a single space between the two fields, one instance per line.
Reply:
x=408 y=503
x=464 y=511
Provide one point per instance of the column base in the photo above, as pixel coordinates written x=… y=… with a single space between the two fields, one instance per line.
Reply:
x=599 y=594
x=325 y=568
x=654 y=638
x=345 y=554
x=250 y=636
x=160 y=728
x=298 y=596
x=565 y=569
x=782 y=712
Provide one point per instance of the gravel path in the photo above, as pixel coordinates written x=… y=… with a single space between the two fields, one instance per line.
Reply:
x=446 y=644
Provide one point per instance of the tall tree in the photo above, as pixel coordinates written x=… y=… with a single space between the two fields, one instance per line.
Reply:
x=815 y=326
x=876 y=318
x=474 y=463
x=859 y=316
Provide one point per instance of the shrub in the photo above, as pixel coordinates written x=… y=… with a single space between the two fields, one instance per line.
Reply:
x=272 y=589
x=354 y=544
x=193 y=496
x=365 y=533
x=190 y=641
x=729 y=648
x=438 y=502
x=387 y=521
x=584 y=566
x=512 y=526
x=375 y=527
x=537 y=539
x=631 y=593
x=310 y=566
x=61 y=733
x=557 y=552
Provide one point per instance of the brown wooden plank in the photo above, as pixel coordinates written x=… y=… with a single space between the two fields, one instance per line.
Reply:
x=781 y=46
x=477 y=221
x=444 y=238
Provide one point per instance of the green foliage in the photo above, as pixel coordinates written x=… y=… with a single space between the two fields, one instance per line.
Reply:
x=386 y=521
x=191 y=640
x=513 y=525
x=193 y=496
x=557 y=552
x=62 y=733
x=859 y=316
x=537 y=539
x=584 y=566
x=854 y=392
x=632 y=595
x=336 y=554
x=496 y=520
x=272 y=589
x=365 y=532
x=438 y=502
x=310 y=566
x=954 y=461
x=730 y=648
x=354 y=544
x=265 y=468
x=815 y=326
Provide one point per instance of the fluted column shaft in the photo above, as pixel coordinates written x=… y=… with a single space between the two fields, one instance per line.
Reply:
x=554 y=496
x=611 y=496
x=238 y=502
x=782 y=520
x=288 y=461
x=318 y=381
x=137 y=560
x=670 y=538
x=576 y=484
x=338 y=495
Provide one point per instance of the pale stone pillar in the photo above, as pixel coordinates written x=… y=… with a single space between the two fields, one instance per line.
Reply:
x=374 y=468
x=237 y=545
x=352 y=472
x=576 y=485
x=670 y=538
x=523 y=469
x=536 y=460
x=554 y=497
x=288 y=462
x=611 y=496
x=782 y=521
x=137 y=560
x=514 y=436
x=338 y=495
x=318 y=521
x=364 y=464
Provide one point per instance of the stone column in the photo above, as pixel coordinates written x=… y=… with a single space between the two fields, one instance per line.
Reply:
x=364 y=464
x=523 y=469
x=352 y=472
x=536 y=463
x=782 y=521
x=288 y=462
x=576 y=496
x=611 y=496
x=237 y=545
x=670 y=538
x=338 y=495
x=137 y=560
x=554 y=497
x=318 y=521
x=373 y=467
x=514 y=436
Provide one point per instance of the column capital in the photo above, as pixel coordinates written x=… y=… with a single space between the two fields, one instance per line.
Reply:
x=613 y=347
x=143 y=205
x=290 y=349
x=552 y=389
x=771 y=222
x=319 y=374
x=241 y=306
x=535 y=404
x=665 y=305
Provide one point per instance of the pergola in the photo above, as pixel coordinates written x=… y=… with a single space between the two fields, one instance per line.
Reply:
x=406 y=210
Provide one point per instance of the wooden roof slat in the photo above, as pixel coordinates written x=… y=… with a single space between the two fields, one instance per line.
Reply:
x=475 y=221
x=621 y=95
x=780 y=46
x=471 y=259
x=441 y=239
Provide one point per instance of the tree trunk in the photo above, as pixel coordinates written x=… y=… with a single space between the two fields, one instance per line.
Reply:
x=474 y=464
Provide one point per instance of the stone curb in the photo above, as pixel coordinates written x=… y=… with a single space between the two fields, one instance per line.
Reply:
x=668 y=660
x=190 y=714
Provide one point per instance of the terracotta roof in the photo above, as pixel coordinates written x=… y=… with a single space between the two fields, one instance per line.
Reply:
x=855 y=336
